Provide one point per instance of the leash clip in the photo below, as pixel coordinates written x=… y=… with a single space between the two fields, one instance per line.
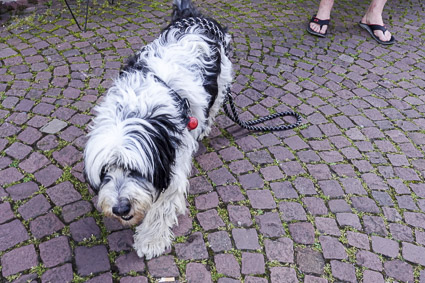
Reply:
x=193 y=121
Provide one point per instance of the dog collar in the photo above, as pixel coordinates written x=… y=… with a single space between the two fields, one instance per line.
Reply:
x=191 y=121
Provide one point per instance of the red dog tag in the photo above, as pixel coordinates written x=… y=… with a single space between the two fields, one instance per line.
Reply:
x=193 y=123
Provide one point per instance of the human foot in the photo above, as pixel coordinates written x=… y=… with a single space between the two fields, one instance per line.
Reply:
x=371 y=29
x=319 y=24
x=318 y=27
x=380 y=33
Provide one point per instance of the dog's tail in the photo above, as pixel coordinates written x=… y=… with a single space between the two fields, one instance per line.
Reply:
x=184 y=9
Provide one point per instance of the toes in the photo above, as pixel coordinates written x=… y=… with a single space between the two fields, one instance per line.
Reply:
x=387 y=36
x=384 y=37
x=379 y=35
x=316 y=28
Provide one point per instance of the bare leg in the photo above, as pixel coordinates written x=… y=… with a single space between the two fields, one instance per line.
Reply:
x=323 y=13
x=373 y=16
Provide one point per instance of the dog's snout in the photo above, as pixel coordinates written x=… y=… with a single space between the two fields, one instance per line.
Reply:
x=122 y=208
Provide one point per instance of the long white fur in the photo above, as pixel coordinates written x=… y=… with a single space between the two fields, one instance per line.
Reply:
x=179 y=63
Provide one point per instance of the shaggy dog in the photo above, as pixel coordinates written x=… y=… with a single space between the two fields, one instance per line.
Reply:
x=146 y=130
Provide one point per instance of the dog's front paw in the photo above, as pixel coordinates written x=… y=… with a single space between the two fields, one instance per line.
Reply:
x=151 y=245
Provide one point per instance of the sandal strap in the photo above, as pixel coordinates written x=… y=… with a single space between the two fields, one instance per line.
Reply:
x=378 y=27
x=320 y=22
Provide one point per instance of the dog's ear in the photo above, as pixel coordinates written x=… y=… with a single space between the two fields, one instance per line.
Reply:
x=103 y=179
x=94 y=186
x=102 y=173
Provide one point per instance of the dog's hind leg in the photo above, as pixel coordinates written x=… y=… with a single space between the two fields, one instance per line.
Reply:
x=224 y=81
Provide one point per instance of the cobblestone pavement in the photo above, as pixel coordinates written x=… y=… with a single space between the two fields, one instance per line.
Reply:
x=340 y=199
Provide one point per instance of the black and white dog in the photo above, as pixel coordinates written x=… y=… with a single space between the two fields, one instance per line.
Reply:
x=146 y=130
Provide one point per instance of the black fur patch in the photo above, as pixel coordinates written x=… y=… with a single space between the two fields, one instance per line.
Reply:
x=210 y=78
x=163 y=142
x=133 y=64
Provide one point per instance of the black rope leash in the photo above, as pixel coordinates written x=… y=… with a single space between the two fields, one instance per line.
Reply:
x=249 y=125
x=215 y=31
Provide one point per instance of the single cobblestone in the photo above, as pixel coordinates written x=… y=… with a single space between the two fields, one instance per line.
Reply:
x=310 y=261
x=270 y=224
x=210 y=220
x=239 y=215
x=12 y=233
x=302 y=232
x=130 y=262
x=48 y=175
x=219 y=241
x=349 y=219
x=280 y=250
x=413 y=253
x=227 y=265
x=63 y=193
x=53 y=126
x=84 y=229
x=91 y=260
x=196 y=272
x=163 y=266
x=399 y=270
x=369 y=260
x=193 y=248
x=332 y=248
x=343 y=271
x=58 y=274
x=45 y=225
x=17 y=260
x=36 y=206
x=292 y=211
x=327 y=226
x=118 y=241
x=384 y=246
x=253 y=263
x=76 y=209
x=55 y=251
x=283 y=274
x=6 y=212
x=246 y=239
x=22 y=191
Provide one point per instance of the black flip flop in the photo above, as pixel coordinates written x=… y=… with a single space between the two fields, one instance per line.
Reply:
x=371 y=28
x=321 y=23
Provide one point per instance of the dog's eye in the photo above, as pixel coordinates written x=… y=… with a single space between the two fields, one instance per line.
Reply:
x=105 y=180
x=136 y=175
x=103 y=173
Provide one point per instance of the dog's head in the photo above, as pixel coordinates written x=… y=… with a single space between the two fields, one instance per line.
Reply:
x=130 y=155
x=126 y=194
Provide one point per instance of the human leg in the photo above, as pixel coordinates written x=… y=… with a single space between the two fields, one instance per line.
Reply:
x=373 y=16
x=323 y=13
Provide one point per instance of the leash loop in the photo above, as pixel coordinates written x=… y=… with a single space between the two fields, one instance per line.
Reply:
x=249 y=125
x=213 y=28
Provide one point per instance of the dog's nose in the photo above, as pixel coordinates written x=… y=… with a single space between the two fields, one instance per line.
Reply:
x=122 y=209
